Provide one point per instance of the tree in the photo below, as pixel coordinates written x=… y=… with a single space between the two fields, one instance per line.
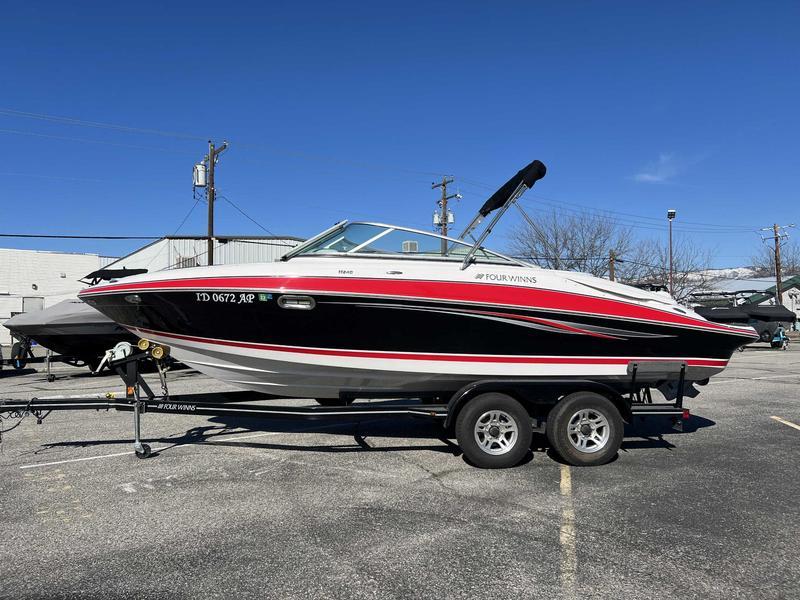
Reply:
x=648 y=263
x=763 y=262
x=583 y=241
x=571 y=242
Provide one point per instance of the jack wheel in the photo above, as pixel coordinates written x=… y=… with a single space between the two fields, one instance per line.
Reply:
x=145 y=452
x=51 y=378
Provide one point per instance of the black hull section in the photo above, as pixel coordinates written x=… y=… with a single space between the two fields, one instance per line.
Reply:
x=373 y=324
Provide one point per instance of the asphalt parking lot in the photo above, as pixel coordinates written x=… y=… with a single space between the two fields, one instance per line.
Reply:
x=230 y=508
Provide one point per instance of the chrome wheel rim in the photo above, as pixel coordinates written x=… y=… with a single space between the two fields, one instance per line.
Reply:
x=588 y=431
x=496 y=432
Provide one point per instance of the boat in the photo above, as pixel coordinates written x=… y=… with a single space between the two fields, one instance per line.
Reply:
x=72 y=328
x=724 y=314
x=766 y=319
x=371 y=308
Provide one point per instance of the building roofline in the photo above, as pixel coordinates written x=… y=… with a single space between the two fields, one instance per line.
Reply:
x=233 y=237
x=227 y=238
x=793 y=281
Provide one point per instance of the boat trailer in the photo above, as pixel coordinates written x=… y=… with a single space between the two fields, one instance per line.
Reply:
x=22 y=355
x=631 y=398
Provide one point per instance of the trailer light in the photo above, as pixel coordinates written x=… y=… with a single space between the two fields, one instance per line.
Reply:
x=686 y=414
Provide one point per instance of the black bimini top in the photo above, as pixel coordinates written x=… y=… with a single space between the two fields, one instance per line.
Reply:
x=108 y=274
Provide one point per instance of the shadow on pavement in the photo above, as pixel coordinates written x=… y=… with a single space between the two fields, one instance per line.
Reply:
x=360 y=431
x=647 y=433
x=11 y=372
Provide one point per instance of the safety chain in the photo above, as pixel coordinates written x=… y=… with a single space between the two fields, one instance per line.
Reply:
x=162 y=376
x=18 y=415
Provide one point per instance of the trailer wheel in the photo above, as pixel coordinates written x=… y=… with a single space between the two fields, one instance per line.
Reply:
x=18 y=356
x=494 y=431
x=585 y=429
x=145 y=452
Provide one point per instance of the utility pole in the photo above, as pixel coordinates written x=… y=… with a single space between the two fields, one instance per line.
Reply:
x=211 y=160
x=442 y=219
x=777 y=236
x=612 y=257
x=671 y=213
x=777 y=240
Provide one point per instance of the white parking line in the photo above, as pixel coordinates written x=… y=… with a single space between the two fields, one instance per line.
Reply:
x=566 y=536
x=785 y=422
x=766 y=377
x=230 y=437
x=61 y=462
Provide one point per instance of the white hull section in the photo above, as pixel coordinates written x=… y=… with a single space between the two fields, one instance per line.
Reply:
x=308 y=375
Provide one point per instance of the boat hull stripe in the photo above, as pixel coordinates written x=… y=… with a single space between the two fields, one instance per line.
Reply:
x=594 y=360
x=494 y=294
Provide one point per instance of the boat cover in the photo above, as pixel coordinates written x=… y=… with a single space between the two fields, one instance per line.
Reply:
x=67 y=312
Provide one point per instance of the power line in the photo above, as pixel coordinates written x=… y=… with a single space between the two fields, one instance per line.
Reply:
x=186 y=136
x=80 y=237
x=186 y=218
x=635 y=223
x=229 y=201
x=90 y=141
x=97 y=124
x=641 y=221
x=652 y=220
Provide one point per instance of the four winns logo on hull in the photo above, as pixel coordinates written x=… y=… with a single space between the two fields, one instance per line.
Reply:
x=506 y=278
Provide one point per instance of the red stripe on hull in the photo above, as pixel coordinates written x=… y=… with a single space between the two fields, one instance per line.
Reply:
x=704 y=362
x=425 y=290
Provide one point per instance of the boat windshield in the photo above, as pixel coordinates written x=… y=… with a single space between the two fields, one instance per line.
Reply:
x=374 y=239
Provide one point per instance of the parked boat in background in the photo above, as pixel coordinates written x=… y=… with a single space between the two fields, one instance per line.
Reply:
x=766 y=319
x=71 y=328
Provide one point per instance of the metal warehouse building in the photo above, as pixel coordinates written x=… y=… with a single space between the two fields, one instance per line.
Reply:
x=31 y=279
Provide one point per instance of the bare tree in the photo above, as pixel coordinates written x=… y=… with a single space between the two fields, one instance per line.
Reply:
x=648 y=263
x=763 y=262
x=583 y=242
x=571 y=242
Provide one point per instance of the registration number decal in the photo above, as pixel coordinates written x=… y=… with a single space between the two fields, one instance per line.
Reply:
x=226 y=297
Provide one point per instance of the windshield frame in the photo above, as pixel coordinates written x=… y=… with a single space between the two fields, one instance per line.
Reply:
x=299 y=251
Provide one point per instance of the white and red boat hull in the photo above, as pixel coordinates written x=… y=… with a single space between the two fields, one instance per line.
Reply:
x=412 y=326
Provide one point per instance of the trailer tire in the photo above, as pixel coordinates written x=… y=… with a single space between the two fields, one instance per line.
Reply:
x=18 y=355
x=494 y=431
x=585 y=429
x=145 y=452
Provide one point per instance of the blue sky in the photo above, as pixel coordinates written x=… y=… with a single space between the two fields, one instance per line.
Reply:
x=349 y=110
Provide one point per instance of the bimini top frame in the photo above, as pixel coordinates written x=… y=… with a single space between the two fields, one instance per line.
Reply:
x=501 y=201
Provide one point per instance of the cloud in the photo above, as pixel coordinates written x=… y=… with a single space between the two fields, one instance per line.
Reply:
x=659 y=171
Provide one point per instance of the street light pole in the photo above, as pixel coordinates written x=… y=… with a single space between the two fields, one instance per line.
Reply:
x=670 y=216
